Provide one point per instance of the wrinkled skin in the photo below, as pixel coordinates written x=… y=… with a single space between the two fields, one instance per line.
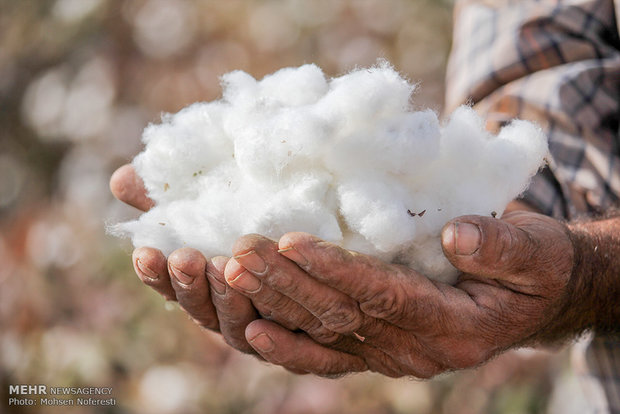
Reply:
x=314 y=307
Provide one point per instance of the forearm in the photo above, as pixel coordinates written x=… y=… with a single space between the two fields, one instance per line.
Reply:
x=595 y=282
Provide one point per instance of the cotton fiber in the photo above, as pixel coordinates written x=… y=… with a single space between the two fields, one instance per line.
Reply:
x=346 y=159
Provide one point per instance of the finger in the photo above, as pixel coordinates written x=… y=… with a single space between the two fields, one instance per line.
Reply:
x=151 y=267
x=391 y=293
x=187 y=267
x=384 y=347
x=499 y=249
x=275 y=306
x=336 y=311
x=297 y=352
x=234 y=311
x=128 y=187
x=275 y=276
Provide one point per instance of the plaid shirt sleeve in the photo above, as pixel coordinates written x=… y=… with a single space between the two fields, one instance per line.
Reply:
x=556 y=63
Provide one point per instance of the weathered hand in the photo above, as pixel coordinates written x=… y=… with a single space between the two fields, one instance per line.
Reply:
x=197 y=284
x=514 y=290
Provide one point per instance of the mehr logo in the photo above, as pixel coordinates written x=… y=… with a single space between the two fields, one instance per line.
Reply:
x=28 y=389
x=37 y=394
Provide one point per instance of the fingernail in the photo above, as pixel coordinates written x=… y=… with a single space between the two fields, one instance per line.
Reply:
x=181 y=277
x=294 y=255
x=246 y=282
x=467 y=238
x=262 y=342
x=146 y=271
x=252 y=261
x=217 y=285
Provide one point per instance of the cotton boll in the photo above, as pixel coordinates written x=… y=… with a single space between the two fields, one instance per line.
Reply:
x=345 y=159
x=404 y=144
x=251 y=152
x=376 y=208
x=531 y=140
x=258 y=155
x=519 y=146
x=508 y=162
x=304 y=206
x=464 y=138
x=208 y=228
x=461 y=175
x=381 y=90
x=240 y=89
x=150 y=230
x=294 y=86
x=183 y=146
x=302 y=134
x=289 y=140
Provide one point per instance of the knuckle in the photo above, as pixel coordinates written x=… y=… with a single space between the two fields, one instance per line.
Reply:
x=280 y=303
x=384 y=304
x=282 y=283
x=342 y=317
x=326 y=337
x=327 y=368
x=234 y=323
x=380 y=362
x=283 y=357
x=513 y=245
x=315 y=329
x=190 y=302
x=202 y=316
x=268 y=302
x=322 y=368
x=508 y=247
x=196 y=305
x=284 y=318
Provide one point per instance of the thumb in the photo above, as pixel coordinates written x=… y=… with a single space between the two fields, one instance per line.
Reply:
x=488 y=247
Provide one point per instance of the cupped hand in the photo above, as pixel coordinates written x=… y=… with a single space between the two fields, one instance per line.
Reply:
x=199 y=285
x=186 y=275
x=339 y=311
x=514 y=290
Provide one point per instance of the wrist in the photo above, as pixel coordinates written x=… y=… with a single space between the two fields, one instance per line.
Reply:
x=571 y=312
x=594 y=286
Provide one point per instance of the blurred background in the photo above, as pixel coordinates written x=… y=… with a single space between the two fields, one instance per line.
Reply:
x=79 y=80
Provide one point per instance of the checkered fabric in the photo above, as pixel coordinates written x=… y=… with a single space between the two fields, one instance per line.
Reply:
x=555 y=62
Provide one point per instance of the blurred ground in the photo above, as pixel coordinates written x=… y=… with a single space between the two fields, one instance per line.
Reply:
x=79 y=79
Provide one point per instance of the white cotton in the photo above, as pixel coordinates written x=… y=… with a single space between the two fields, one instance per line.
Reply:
x=371 y=205
x=346 y=159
